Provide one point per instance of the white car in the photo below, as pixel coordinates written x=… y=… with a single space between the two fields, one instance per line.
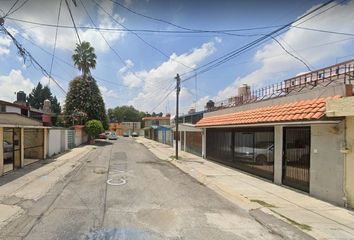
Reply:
x=112 y=136
x=262 y=153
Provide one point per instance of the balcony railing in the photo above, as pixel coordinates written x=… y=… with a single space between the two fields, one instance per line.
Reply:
x=339 y=73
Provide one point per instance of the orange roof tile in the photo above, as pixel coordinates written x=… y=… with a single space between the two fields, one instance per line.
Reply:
x=313 y=109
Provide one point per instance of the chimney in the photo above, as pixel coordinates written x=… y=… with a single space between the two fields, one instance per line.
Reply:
x=244 y=91
x=47 y=108
x=47 y=116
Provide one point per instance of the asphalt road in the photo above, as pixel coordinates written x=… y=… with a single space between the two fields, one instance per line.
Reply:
x=145 y=198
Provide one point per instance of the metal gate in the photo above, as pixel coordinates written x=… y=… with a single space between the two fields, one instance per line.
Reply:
x=194 y=143
x=71 y=140
x=220 y=145
x=296 y=157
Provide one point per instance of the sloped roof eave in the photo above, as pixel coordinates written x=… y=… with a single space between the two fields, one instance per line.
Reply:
x=300 y=111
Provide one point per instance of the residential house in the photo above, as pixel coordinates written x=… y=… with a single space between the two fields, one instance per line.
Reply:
x=24 y=141
x=297 y=133
x=158 y=129
x=190 y=136
x=27 y=139
x=126 y=128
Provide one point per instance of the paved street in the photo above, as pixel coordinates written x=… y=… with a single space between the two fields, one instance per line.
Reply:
x=146 y=198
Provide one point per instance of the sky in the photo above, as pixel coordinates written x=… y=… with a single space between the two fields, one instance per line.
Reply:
x=138 y=67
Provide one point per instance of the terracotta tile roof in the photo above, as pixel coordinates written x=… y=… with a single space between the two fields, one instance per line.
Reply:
x=313 y=109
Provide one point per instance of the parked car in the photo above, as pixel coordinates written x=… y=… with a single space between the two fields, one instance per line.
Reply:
x=125 y=134
x=135 y=134
x=112 y=136
x=102 y=136
x=261 y=154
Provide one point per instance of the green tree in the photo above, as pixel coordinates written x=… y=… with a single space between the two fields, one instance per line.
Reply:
x=84 y=58
x=125 y=114
x=84 y=102
x=93 y=128
x=39 y=94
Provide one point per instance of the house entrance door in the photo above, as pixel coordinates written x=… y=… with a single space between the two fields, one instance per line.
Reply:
x=12 y=148
x=296 y=157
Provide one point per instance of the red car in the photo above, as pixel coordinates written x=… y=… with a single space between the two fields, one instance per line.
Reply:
x=103 y=135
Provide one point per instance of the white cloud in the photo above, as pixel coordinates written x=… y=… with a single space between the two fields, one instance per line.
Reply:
x=107 y=93
x=14 y=82
x=156 y=81
x=128 y=65
x=67 y=37
x=218 y=39
x=274 y=62
x=5 y=42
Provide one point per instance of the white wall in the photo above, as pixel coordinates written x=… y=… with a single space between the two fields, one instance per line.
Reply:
x=13 y=109
x=54 y=141
x=326 y=165
x=78 y=137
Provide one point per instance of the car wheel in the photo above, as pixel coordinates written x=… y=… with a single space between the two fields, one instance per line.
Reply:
x=261 y=159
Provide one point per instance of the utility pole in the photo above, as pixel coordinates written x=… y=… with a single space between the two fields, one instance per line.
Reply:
x=178 y=89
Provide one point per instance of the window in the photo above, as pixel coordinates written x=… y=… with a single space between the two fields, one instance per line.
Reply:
x=2 y=108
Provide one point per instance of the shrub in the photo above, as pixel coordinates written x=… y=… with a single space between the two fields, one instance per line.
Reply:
x=93 y=128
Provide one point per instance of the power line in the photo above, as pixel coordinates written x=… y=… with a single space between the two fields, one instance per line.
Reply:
x=227 y=57
x=292 y=55
x=27 y=55
x=109 y=45
x=149 y=30
x=72 y=19
x=10 y=13
x=324 y=31
x=138 y=36
x=70 y=65
x=174 y=24
x=164 y=98
x=55 y=40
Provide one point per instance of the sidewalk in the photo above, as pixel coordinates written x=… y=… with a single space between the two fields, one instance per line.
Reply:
x=34 y=185
x=317 y=218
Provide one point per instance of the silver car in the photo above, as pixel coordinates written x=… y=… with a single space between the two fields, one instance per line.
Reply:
x=112 y=136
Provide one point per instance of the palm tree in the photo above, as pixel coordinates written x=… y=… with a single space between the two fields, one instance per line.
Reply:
x=84 y=58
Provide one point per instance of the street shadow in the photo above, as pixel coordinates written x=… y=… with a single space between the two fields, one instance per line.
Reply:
x=13 y=175
x=102 y=143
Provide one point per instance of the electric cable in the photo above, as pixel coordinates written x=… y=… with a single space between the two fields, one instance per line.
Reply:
x=55 y=41
x=109 y=45
x=18 y=8
x=73 y=21
x=8 y=12
x=138 y=36
x=292 y=55
x=227 y=57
